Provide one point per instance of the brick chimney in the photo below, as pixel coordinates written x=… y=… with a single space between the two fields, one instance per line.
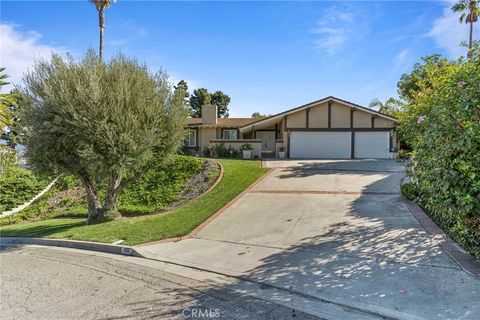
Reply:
x=209 y=114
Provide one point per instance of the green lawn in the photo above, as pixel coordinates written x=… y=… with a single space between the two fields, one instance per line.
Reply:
x=237 y=177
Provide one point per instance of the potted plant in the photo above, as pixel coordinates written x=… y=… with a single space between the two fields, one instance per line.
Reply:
x=281 y=152
x=246 y=151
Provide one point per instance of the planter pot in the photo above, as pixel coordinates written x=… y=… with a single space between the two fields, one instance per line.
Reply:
x=281 y=154
x=247 y=154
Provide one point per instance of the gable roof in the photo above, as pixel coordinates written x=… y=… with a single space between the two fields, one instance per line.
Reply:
x=314 y=103
x=221 y=122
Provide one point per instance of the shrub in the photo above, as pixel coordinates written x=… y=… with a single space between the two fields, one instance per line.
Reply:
x=444 y=123
x=220 y=151
x=246 y=146
x=8 y=160
x=160 y=186
x=410 y=190
x=18 y=186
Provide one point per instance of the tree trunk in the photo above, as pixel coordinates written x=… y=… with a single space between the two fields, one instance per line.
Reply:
x=101 y=20
x=470 y=40
x=92 y=198
x=112 y=192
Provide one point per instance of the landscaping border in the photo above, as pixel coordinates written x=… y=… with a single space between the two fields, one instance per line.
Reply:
x=462 y=258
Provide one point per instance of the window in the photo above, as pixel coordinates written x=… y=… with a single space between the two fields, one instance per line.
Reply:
x=191 y=139
x=230 y=134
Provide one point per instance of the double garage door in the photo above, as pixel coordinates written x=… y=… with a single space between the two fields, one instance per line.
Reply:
x=338 y=145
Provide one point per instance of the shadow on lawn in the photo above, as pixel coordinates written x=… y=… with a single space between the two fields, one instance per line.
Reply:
x=42 y=230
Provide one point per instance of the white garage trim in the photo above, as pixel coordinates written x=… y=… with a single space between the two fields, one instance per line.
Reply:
x=320 y=144
x=372 y=144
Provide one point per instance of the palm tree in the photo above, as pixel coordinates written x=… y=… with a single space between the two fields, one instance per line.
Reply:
x=470 y=10
x=389 y=106
x=6 y=100
x=101 y=5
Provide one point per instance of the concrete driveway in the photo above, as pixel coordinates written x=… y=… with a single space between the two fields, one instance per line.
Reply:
x=337 y=231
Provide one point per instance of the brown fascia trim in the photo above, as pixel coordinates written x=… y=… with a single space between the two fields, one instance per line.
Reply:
x=352 y=146
x=236 y=140
x=326 y=99
x=340 y=129
x=307 y=117
x=351 y=117
x=330 y=113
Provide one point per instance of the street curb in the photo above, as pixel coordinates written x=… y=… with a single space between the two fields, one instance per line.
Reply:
x=462 y=258
x=211 y=218
x=74 y=244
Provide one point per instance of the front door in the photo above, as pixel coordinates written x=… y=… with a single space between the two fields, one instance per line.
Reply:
x=268 y=140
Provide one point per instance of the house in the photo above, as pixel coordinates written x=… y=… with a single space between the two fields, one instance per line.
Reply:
x=330 y=128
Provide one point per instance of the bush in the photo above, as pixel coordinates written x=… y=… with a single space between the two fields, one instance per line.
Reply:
x=220 y=151
x=160 y=186
x=8 y=160
x=410 y=190
x=444 y=123
x=18 y=186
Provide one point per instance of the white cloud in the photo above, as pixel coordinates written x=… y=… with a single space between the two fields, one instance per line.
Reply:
x=336 y=27
x=401 y=60
x=20 y=50
x=448 y=32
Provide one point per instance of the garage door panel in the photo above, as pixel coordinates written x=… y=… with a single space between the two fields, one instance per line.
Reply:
x=372 y=144
x=326 y=145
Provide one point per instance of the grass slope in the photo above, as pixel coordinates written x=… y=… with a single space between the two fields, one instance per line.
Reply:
x=159 y=187
x=237 y=177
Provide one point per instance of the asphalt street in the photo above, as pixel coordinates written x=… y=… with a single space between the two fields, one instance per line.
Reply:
x=50 y=283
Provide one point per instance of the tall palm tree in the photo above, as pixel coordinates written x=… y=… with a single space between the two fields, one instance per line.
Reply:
x=101 y=5
x=389 y=106
x=470 y=10
x=6 y=99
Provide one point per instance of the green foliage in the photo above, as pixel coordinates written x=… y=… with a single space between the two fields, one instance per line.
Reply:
x=101 y=122
x=220 y=151
x=18 y=186
x=52 y=204
x=160 y=186
x=409 y=85
x=246 y=146
x=443 y=122
x=202 y=97
x=8 y=160
x=237 y=177
x=390 y=106
x=6 y=100
x=258 y=115
x=14 y=134
x=410 y=190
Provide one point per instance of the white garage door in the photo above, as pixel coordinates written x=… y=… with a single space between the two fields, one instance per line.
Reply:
x=315 y=144
x=372 y=144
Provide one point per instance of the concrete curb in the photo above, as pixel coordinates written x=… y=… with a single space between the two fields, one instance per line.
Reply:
x=462 y=258
x=29 y=202
x=212 y=217
x=83 y=245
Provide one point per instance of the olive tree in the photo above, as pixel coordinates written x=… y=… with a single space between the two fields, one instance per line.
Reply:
x=103 y=123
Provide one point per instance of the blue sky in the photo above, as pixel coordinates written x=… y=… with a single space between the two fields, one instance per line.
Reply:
x=268 y=56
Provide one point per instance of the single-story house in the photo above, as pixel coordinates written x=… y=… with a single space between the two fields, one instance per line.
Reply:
x=330 y=128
